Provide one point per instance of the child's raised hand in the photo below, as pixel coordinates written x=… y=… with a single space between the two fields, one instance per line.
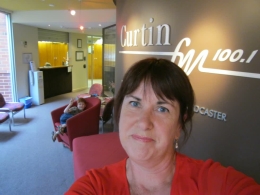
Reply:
x=72 y=100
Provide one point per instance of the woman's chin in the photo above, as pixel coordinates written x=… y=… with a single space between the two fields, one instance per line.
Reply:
x=138 y=153
x=138 y=149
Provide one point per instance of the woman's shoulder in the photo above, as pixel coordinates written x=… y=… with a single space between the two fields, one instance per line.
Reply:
x=205 y=167
x=194 y=164
x=212 y=176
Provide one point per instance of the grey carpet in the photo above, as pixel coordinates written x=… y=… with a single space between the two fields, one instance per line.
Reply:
x=30 y=162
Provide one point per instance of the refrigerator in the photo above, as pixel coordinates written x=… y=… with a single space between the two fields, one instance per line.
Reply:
x=36 y=87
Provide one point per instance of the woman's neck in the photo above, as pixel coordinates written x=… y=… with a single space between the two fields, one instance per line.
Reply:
x=151 y=179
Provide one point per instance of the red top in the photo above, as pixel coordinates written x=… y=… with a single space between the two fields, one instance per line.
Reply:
x=192 y=177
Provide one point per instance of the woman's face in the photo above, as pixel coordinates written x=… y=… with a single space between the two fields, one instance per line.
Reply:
x=148 y=126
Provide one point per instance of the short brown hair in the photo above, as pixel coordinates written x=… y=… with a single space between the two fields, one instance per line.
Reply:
x=82 y=100
x=168 y=81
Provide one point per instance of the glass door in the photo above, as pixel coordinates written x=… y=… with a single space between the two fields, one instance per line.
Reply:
x=109 y=60
x=95 y=60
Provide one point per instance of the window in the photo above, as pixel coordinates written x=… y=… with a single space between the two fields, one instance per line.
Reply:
x=7 y=83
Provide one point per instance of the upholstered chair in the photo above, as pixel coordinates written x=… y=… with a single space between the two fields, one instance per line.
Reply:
x=106 y=112
x=11 y=107
x=4 y=117
x=83 y=124
x=95 y=90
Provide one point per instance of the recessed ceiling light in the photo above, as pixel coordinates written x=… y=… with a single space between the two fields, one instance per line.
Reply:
x=81 y=27
x=51 y=5
x=72 y=12
x=49 y=25
x=99 y=25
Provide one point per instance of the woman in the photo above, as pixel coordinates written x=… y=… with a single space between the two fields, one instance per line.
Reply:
x=152 y=109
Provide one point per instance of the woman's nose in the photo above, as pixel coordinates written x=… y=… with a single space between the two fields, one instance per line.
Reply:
x=145 y=121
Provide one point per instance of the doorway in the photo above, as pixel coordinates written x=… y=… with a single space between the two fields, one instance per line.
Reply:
x=109 y=58
x=94 y=44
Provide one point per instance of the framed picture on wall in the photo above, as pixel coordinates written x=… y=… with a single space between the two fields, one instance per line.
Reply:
x=79 y=43
x=27 y=57
x=79 y=55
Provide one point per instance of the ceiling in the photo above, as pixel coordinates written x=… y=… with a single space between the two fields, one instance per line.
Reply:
x=55 y=14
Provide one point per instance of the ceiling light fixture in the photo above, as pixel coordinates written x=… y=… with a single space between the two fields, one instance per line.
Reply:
x=72 y=12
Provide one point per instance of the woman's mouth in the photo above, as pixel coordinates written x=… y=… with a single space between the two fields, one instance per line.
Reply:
x=141 y=138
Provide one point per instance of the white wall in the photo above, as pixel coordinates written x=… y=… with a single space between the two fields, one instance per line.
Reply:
x=23 y=33
x=79 y=73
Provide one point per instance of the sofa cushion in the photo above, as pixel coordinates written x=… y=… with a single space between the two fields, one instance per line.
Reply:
x=14 y=106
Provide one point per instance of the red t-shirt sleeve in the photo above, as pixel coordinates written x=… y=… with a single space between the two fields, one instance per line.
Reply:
x=197 y=177
x=214 y=177
x=82 y=186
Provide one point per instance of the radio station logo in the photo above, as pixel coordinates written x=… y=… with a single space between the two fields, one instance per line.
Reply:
x=210 y=113
x=186 y=61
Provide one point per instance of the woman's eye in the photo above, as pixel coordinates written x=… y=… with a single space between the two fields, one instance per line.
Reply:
x=134 y=104
x=162 y=109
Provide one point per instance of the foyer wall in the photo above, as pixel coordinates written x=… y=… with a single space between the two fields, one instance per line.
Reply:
x=23 y=33
x=30 y=34
x=217 y=44
x=79 y=73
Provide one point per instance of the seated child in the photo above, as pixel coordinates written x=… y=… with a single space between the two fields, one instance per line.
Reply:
x=69 y=112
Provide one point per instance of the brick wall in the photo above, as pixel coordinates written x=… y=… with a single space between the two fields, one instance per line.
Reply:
x=5 y=81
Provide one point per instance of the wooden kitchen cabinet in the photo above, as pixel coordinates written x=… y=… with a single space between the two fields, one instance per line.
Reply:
x=52 y=52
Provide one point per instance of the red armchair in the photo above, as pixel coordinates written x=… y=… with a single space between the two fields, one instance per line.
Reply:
x=83 y=124
x=95 y=89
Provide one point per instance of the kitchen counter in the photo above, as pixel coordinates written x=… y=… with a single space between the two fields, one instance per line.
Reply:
x=57 y=80
x=51 y=67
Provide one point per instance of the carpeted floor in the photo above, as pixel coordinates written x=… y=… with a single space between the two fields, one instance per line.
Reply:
x=30 y=162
